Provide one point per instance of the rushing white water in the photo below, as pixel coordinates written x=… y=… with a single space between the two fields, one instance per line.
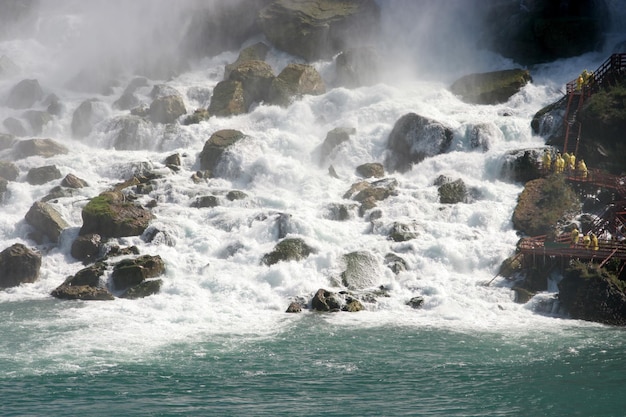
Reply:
x=205 y=290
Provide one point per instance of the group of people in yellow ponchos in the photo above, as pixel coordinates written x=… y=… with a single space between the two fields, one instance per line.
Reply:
x=564 y=162
x=585 y=78
x=590 y=240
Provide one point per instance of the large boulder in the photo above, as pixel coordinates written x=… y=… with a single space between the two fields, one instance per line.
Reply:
x=491 y=87
x=256 y=78
x=452 y=192
x=362 y=270
x=314 y=29
x=86 y=115
x=24 y=94
x=325 y=300
x=18 y=265
x=110 y=215
x=42 y=175
x=167 y=109
x=144 y=289
x=590 y=293
x=414 y=138
x=256 y=52
x=46 y=220
x=295 y=81
x=81 y=292
x=131 y=272
x=522 y=165
x=215 y=147
x=38 y=147
x=8 y=170
x=228 y=99
x=333 y=139
x=289 y=249
x=86 y=247
x=542 y=203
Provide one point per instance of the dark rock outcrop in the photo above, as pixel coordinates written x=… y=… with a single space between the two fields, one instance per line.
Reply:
x=86 y=247
x=314 y=29
x=293 y=82
x=82 y=292
x=491 y=87
x=256 y=78
x=42 y=175
x=362 y=270
x=542 y=203
x=8 y=170
x=325 y=300
x=215 y=147
x=256 y=52
x=452 y=192
x=334 y=138
x=46 y=221
x=18 y=265
x=289 y=249
x=38 y=147
x=590 y=293
x=228 y=99
x=414 y=138
x=110 y=215
x=143 y=289
x=24 y=94
x=402 y=232
x=371 y=169
x=131 y=272
x=72 y=181
x=522 y=165
x=166 y=109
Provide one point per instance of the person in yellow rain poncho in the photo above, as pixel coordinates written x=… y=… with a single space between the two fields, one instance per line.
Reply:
x=546 y=161
x=559 y=164
x=581 y=169
x=579 y=82
x=575 y=235
x=594 y=242
x=586 y=241
x=566 y=158
x=572 y=162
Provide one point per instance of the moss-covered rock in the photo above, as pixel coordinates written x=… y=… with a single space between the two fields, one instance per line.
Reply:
x=110 y=215
x=591 y=293
x=542 y=203
x=491 y=87
x=289 y=249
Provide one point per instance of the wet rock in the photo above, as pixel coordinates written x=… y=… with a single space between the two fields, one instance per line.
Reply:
x=289 y=249
x=414 y=138
x=110 y=215
x=86 y=115
x=89 y=276
x=293 y=82
x=130 y=272
x=24 y=94
x=54 y=106
x=325 y=300
x=256 y=52
x=38 y=147
x=46 y=220
x=72 y=181
x=236 y=195
x=6 y=141
x=396 y=263
x=481 y=135
x=144 y=289
x=362 y=270
x=166 y=109
x=130 y=132
x=255 y=78
x=352 y=305
x=158 y=236
x=491 y=87
x=82 y=292
x=357 y=67
x=198 y=115
x=522 y=165
x=340 y=212
x=453 y=192
x=228 y=99
x=215 y=147
x=314 y=29
x=37 y=120
x=372 y=169
x=8 y=170
x=126 y=101
x=4 y=185
x=401 y=232
x=294 y=307
x=416 y=302
x=14 y=126
x=334 y=138
x=18 y=265
x=87 y=247
x=42 y=175
x=206 y=201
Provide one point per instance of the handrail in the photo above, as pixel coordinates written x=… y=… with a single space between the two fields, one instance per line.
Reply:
x=615 y=62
